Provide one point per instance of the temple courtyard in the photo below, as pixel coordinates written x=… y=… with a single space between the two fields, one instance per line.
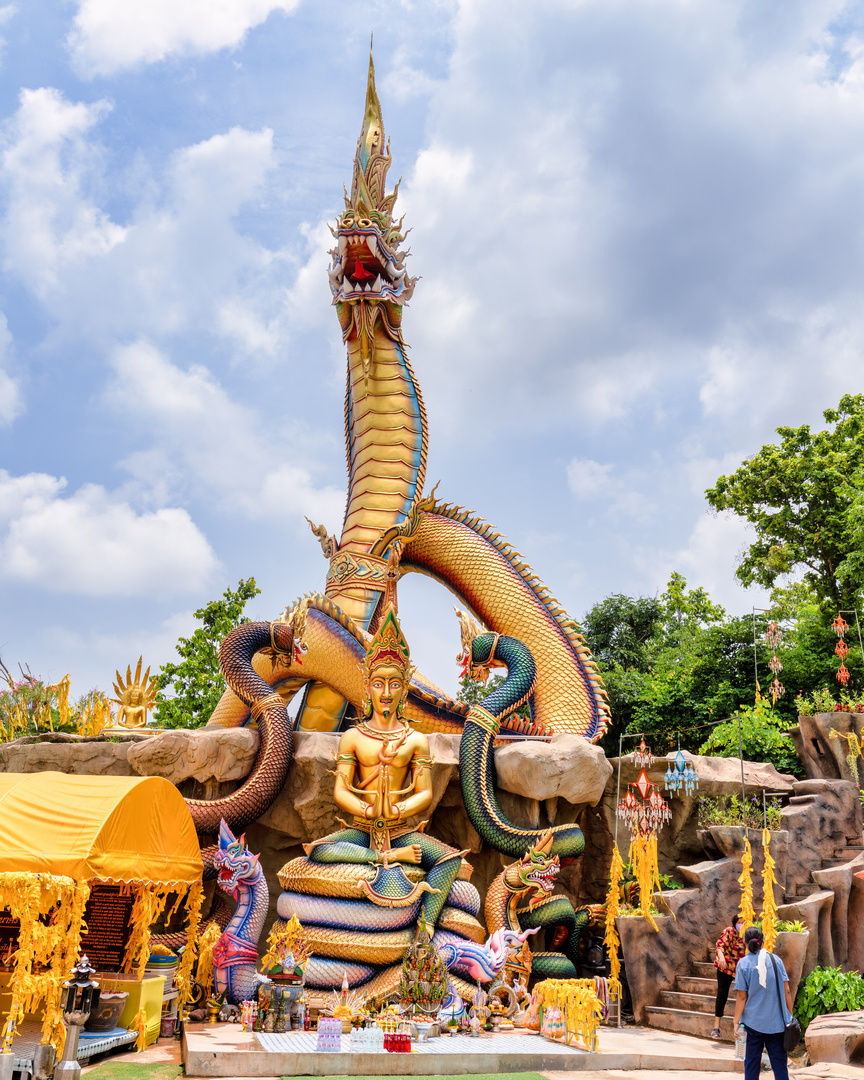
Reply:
x=630 y=1053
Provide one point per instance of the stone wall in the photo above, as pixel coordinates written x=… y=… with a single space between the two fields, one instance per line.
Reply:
x=824 y=757
x=209 y=762
x=822 y=816
x=679 y=842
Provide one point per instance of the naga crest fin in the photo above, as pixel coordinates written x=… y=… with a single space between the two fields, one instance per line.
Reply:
x=226 y=837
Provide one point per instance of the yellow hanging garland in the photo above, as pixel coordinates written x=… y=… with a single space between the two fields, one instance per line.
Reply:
x=206 y=944
x=580 y=1008
x=139 y=1024
x=51 y=947
x=769 y=904
x=183 y=977
x=613 y=909
x=646 y=870
x=150 y=900
x=748 y=915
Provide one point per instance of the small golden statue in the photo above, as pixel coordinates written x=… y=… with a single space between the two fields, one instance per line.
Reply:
x=136 y=697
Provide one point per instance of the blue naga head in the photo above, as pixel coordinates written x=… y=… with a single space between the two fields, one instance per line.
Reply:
x=234 y=862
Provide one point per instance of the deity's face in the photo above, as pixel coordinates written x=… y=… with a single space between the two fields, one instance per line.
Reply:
x=386 y=688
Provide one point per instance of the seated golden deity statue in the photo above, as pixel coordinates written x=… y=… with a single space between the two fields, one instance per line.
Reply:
x=383 y=777
x=136 y=697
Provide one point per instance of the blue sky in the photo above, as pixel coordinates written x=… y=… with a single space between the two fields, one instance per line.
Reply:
x=638 y=230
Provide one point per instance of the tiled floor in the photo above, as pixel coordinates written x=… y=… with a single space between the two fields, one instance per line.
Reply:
x=300 y=1042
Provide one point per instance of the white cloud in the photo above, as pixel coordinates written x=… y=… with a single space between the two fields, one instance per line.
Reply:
x=587 y=477
x=11 y=402
x=94 y=545
x=50 y=226
x=109 y=36
x=180 y=260
x=209 y=440
x=6 y=13
x=710 y=557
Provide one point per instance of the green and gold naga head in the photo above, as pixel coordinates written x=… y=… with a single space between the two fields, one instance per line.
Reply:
x=535 y=872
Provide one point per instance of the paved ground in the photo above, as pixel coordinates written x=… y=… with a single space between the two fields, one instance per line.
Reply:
x=681 y=1048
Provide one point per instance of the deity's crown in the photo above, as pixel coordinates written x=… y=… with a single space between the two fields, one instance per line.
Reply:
x=388 y=645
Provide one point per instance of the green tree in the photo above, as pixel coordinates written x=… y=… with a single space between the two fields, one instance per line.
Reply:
x=619 y=628
x=805 y=499
x=195 y=685
x=763 y=738
x=650 y=650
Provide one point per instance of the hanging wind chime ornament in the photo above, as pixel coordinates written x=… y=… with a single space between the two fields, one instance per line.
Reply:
x=840 y=626
x=642 y=756
x=645 y=811
x=681 y=774
x=774 y=637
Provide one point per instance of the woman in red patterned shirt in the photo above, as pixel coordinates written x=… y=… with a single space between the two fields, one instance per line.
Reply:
x=729 y=950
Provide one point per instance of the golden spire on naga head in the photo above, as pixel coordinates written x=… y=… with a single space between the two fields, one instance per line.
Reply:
x=368 y=279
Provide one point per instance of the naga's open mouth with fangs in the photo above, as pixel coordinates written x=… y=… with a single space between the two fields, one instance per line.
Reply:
x=367 y=263
x=366 y=266
x=544 y=877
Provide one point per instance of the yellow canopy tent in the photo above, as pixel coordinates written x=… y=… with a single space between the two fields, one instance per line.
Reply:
x=59 y=833
x=118 y=828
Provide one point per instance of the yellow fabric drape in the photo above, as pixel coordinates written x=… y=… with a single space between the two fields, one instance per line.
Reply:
x=61 y=832
x=206 y=944
x=748 y=915
x=643 y=856
x=183 y=978
x=51 y=947
x=580 y=1008
x=613 y=908
x=769 y=905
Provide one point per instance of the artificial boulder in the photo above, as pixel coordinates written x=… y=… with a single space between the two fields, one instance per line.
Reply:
x=567 y=767
x=204 y=754
x=837 y=1037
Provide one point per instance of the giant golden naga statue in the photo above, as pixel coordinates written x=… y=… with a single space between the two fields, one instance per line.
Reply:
x=363 y=889
x=391 y=527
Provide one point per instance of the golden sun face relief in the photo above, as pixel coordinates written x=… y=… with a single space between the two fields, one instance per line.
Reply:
x=136 y=697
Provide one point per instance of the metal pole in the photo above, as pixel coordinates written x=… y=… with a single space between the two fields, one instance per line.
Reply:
x=636 y=735
x=755 y=661
x=618 y=799
x=741 y=758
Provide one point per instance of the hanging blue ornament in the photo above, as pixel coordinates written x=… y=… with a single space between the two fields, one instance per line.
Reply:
x=681 y=773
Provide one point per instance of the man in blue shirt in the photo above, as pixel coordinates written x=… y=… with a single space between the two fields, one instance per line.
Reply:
x=759 y=1006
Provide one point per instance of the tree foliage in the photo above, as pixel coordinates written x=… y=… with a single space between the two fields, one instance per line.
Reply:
x=762 y=736
x=805 y=499
x=189 y=691
x=678 y=663
x=828 y=990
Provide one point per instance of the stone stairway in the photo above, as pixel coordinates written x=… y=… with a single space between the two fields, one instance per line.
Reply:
x=689 y=1008
x=841 y=855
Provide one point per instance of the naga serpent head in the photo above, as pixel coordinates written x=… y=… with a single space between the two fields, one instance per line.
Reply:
x=234 y=862
x=536 y=871
x=470 y=629
x=367 y=273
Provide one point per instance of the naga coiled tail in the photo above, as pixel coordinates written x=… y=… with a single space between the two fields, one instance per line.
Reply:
x=276 y=741
x=477 y=761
